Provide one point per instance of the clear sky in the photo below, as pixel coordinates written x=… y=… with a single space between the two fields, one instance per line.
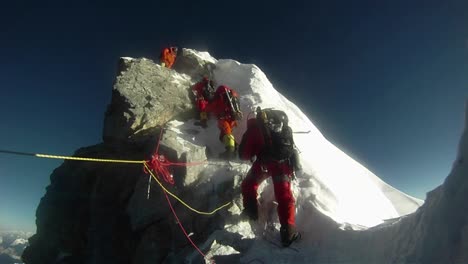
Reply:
x=385 y=82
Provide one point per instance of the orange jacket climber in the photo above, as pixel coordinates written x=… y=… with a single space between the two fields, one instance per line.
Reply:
x=168 y=56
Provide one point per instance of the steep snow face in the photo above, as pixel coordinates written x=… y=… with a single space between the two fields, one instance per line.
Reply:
x=331 y=181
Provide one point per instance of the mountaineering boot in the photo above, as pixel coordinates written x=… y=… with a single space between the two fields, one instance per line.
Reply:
x=288 y=235
x=251 y=210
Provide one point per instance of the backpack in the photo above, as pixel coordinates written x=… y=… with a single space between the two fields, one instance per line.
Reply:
x=231 y=100
x=279 y=142
x=209 y=91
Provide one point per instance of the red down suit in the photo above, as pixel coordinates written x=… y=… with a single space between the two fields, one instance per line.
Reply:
x=281 y=171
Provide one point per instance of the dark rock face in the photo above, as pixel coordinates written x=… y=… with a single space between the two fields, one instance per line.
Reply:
x=100 y=212
x=83 y=215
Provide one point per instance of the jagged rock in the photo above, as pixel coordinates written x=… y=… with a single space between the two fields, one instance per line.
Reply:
x=155 y=243
x=145 y=96
x=144 y=206
x=99 y=212
x=185 y=152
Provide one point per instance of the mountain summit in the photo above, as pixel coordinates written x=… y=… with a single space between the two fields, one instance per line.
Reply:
x=114 y=213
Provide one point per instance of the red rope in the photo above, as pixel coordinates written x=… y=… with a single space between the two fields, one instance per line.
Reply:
x=159 y=140
x=183 y=229
x=160 y=165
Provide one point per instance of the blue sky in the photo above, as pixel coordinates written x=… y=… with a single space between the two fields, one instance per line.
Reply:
x=386 y=82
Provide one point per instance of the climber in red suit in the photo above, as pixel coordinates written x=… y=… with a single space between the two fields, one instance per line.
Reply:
x=254 y=147
x=204 y=93
x=225 y=106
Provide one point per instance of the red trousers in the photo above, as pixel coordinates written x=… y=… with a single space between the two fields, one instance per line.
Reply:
x=281 y=172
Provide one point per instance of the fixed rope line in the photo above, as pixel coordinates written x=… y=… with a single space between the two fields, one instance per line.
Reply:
x=183 y=229
x=185 y=164
x=71 y=158
x=116 y=161
x=90 y=159
x=178 y=199
x=158 y=165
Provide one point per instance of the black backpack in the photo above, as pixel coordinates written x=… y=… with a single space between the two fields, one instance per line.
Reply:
x=279 y=141
x=209 y=91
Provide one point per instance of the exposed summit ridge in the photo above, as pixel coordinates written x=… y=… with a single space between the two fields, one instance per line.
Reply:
x=94 y=213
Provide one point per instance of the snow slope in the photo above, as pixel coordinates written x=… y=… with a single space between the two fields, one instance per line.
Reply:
x=332 y=192
x=334 y=183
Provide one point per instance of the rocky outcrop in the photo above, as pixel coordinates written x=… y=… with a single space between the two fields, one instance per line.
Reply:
x=102 y=212
x=145 y=96
x=83 y=215
x=185 y=152
x=115 y=213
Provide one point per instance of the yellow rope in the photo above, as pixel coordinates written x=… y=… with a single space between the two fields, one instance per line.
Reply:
x=117 y=161
x=134 y=162
x=88 y=159
x=178 y=199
